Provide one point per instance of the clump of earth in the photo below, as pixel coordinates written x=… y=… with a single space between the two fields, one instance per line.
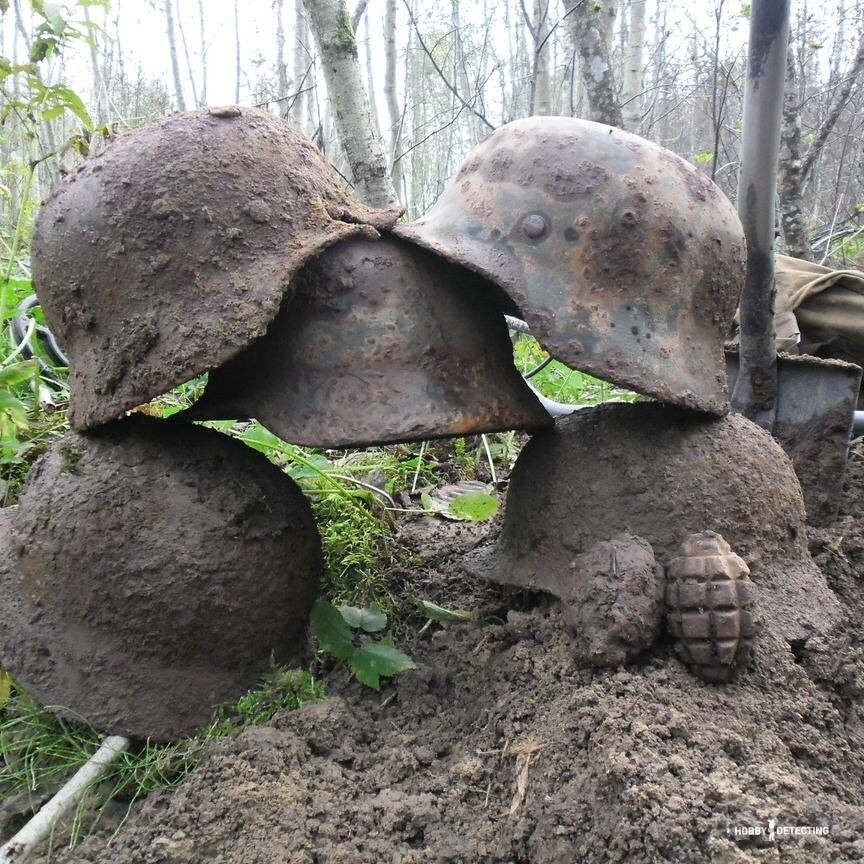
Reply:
x=499 y=748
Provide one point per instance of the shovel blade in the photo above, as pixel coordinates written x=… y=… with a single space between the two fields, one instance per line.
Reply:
x=815 y=407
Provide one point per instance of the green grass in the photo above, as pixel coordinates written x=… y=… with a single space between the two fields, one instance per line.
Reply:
x=559 y=382
x=39 y=752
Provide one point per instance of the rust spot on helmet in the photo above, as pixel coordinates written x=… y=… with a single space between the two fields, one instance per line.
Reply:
x=583 y=179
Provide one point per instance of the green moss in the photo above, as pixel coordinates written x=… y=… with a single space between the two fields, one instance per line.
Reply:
x=345 y=33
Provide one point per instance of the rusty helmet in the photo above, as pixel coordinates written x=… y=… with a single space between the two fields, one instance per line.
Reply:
x=155 y=571
x=626 y=261
x=169 y=252
x=381 y=342
x=661 y=473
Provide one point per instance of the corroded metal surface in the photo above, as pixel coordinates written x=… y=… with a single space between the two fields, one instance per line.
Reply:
x=708 y=599
x=382 y=342
x=813 y=414
x=662 y=473
x=153 y=571
x=171 y=251
x=626 y=261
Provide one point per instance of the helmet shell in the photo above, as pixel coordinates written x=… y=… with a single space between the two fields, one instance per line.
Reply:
x=663 y=474
x=169 y=252
x=626 y=261
x=155 y=572
x=382 y=342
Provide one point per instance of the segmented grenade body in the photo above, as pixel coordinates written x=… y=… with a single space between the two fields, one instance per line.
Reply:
x=708 y=598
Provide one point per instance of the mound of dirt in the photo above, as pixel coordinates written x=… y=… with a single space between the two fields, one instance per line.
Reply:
x=498 y=748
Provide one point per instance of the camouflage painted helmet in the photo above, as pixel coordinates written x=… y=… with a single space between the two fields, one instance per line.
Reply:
x=381 y=342
x=625 y=260
x=152 y=571
x=172 y=250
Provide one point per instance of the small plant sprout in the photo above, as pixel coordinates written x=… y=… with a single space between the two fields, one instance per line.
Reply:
x=468 y=500
x=340 y=632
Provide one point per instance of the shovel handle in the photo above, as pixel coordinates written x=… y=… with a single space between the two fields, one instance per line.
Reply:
x=755 y=391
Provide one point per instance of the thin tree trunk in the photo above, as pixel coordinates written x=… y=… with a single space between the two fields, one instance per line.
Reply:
x=202 y=33
x=393 y=108
x=172 y=48
x=370 y=80
x=237 y=66
x=542 y=102
x=631 y=99
x=188 y=59
x=281 y=63
x=331 y=25
x=302 y=61
x=590 y=30
x=99 y=91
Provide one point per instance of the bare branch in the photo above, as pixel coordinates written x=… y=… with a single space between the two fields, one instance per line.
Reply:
x=835 y=111
x=358 y=14
x=465 y=104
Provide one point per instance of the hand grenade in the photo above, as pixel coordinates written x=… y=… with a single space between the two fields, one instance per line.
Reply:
x=708 y=598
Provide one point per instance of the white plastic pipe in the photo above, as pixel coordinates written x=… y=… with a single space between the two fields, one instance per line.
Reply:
x=20 y=847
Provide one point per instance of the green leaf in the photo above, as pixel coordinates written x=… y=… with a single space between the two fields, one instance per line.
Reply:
x=261 y=439
x=18 y=373
x=15 y=408
x=333 y=634
x=474 y=506
x=433 y=505
x=377 y=660
x=53 y=113
x=369 y=620
x=5 y=687
x=70 y=100
x=440 y=613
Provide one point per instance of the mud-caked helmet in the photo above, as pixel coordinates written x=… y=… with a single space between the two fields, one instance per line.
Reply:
x=151 y=572
x=662 y=474
x=381 y=342
x=625 y=260
x=166 y=254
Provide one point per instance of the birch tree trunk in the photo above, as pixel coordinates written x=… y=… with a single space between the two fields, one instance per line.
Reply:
x=99 y=92
x=189 y=68
x=370 y=80
x=331 y=26
x=591 y=31
x=283 y=84
x=390 y=93
x=237 y=68
x=202 y=37
x=302 y=63
x=542 y=101
x=172 y=49
x=631 y=93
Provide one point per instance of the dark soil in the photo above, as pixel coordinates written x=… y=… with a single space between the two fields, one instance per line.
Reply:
x=498 y=748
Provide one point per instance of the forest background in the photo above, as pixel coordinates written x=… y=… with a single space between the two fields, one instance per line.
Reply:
x=439 y=77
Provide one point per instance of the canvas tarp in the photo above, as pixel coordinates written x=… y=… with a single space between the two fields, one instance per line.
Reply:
x=819 y=309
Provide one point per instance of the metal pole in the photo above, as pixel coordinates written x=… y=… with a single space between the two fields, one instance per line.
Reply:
x=756 y=388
